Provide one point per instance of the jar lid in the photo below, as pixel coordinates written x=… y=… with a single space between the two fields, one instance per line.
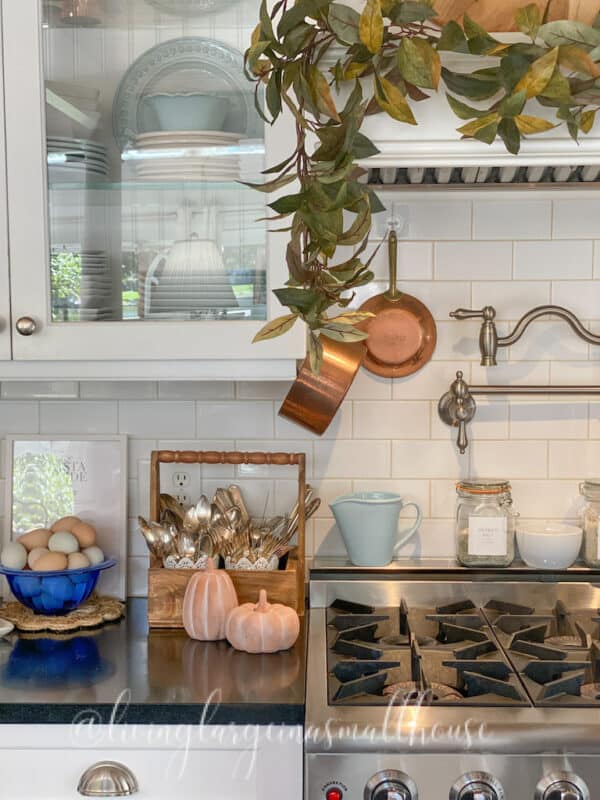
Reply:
x=591 y=488
x=484 y=486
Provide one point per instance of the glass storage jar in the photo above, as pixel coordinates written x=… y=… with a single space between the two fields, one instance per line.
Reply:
x=485 y=523
x=590 y=489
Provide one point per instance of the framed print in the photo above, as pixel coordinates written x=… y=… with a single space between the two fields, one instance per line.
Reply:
x=49 y=477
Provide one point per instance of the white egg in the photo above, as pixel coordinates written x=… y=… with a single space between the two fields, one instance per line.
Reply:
x=63 y=542
x=95 y=555
x=13 y=556
x=78 y=561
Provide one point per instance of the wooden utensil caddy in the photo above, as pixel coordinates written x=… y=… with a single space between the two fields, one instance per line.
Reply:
x=166 y=587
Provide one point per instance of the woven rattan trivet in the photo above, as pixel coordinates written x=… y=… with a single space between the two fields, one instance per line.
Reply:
x=95 y=612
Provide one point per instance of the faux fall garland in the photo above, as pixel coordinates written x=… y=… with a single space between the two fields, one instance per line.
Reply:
x=304 y=54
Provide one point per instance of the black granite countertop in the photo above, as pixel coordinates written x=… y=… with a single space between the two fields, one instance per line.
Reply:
x=126 y=674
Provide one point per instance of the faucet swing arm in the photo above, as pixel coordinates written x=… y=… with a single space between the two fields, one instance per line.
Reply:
x=458 y=407
x=489 y=341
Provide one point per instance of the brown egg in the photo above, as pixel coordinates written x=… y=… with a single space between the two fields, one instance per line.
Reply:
x=78 y=561
x=65 y=524
x=51 y=562
x=85 y=534
x=36 y=553
x=37 y=538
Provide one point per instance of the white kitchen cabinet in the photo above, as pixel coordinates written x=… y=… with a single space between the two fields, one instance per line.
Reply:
x=5 y=333
x=135 y=259
x=228 y=762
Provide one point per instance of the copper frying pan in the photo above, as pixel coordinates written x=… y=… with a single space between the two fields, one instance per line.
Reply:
x=402 y=334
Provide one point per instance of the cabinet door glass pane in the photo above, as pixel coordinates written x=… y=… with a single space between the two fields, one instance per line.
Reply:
x=151 y=125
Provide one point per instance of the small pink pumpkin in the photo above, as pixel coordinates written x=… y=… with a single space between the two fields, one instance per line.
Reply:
x=262 y=628
x=209 y=597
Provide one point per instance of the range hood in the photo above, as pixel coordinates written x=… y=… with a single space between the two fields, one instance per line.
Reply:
x=433 y=153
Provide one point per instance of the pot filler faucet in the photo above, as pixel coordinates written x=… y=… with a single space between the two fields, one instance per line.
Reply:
x=489 y=341
x=458 y=407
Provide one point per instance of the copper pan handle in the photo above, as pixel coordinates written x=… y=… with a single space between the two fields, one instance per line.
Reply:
x=393 y=292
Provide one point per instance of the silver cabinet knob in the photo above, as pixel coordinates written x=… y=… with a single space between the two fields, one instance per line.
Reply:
x=107 y=779
x=477 y=786
x=562 y=786
x=391 y=785
x=26 y=326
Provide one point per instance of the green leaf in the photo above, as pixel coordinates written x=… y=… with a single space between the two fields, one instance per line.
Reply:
x=528 y=125
x=360 y=227
x=297 y=39
x=419 y=63
x=472 y=128
x=265 y=22
x=529 y=20
x=513 y=105
x=406 y=12
x=479 y=40
x=539 y=74
x=273 y=94
x=513 y=66
x=271 y=186
x=287 y=204
x=275 y=327
x=568 y=32
x=558 y=89
x=298 y=13
x=453 y=38
x=474 y=86
x=301 y=299
x=464 y=111
x=377 y=206
x=393 y=102
x=321 y=93
x=344 y=22
x=371 y=26
x=510 y=134
x=353 y=317
x=340 y=332
x=363 y=147
x=295 y=264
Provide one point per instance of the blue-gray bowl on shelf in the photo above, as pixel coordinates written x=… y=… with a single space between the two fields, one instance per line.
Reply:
x=54 y=593
x=187 y=111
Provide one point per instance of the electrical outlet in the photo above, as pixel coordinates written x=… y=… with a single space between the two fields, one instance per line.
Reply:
x=181 y=479
x=183 y=498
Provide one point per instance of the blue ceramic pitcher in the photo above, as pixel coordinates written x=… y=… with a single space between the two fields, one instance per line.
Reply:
x=368 y=522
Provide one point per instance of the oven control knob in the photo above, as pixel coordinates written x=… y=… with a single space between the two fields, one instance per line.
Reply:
x=477 y=786
x=562 y=786
x=391 y=785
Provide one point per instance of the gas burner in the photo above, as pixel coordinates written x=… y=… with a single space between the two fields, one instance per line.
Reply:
x=411 y=693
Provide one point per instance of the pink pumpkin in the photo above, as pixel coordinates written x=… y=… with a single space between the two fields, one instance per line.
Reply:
x=209 y=597
x=262 y=628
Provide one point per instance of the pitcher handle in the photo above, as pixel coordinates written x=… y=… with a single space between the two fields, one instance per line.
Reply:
x=406 y=534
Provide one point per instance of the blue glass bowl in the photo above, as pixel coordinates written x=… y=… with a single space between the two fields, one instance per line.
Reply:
x=54 y=593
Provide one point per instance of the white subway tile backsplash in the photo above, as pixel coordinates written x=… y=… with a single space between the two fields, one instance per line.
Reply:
x=553 y=260
x=341 y=459
x=415 y=261
x=511 y=299
x=72 y=416
x=517 y=219
x=39 y=390
x=19 y=417
x=434 y=219
x=453 y=252
x=117 y=390
x=477 y=261
x=391 y=420
x=237 y=419
x=510 y=459
x=153 y=418
x=427 y=459
x=545 y=419
x=576 y=218
x=195 y=390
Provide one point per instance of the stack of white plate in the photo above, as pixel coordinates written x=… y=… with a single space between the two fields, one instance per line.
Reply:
x=186 y=156
x=73 y=159
x=96 y=286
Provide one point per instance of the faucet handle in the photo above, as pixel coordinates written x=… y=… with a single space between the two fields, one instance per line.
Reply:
x=487 y=313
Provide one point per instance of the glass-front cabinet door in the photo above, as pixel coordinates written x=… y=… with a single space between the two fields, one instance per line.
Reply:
x=5 y=324
x=130 y=129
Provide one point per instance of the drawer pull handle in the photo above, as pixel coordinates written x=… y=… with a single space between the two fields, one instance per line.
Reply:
x=107 y=779
x=26 y=326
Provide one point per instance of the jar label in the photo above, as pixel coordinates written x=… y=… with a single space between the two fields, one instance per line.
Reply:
x=488 y=536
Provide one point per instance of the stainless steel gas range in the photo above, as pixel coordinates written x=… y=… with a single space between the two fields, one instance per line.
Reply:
x=466 y=689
